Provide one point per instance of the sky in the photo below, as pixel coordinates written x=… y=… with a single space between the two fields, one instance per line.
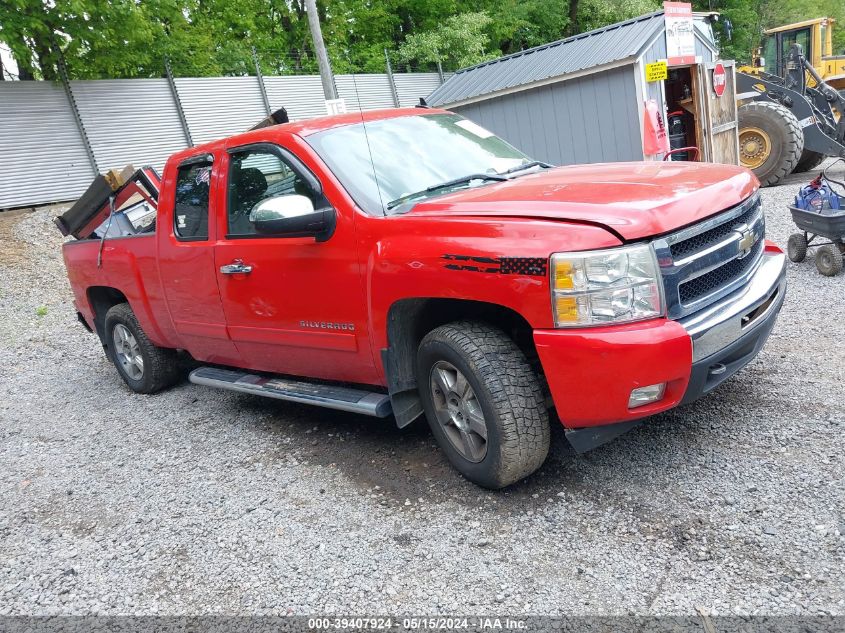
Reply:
x=9 y=64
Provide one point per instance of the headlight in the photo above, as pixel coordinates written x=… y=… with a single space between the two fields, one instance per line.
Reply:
x=615 y=285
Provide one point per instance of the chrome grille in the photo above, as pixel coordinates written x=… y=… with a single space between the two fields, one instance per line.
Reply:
x=707 y=261
x=704 y=285
x=713 y=236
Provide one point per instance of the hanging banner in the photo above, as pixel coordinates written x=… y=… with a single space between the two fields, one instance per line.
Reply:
x=655 y=140
x=680 y=37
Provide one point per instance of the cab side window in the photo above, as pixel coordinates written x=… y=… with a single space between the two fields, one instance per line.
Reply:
x=191 y=210
x=256 y=175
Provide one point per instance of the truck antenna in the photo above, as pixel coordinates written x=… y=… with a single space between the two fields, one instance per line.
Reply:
x=105 y=232
x=369 y=148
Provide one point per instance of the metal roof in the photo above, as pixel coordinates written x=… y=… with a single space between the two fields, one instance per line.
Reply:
x=613 y=43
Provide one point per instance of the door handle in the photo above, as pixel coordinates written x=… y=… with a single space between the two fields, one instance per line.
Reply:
x=236 y=267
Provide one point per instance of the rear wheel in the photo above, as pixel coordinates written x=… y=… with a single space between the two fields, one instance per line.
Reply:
x=809 y=160
x=796 y=247
x=829 y=260
x=770 y=140
x=483 y=402
x=144 y=367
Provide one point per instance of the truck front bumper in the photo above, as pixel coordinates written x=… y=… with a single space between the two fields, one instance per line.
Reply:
x=592 y=371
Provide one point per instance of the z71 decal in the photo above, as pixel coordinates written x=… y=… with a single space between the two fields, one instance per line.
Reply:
x=534 y=266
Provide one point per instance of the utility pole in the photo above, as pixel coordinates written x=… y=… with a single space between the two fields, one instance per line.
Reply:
x=390 y=79
x=320 y=49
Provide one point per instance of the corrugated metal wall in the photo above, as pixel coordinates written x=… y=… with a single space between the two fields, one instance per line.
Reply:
x=367 y=92
x=412 y=86
x=589 y=119
x=216 y=107
x=302 y=96
x=137 y=119
x=43 y=157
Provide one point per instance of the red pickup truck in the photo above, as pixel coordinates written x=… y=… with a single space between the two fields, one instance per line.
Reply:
x=408 y=262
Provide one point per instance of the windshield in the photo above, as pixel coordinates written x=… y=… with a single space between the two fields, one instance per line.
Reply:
x=411 y=154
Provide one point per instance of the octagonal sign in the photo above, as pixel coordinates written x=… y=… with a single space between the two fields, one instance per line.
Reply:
x=720 y=79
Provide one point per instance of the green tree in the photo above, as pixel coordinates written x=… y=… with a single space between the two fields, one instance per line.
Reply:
x=131 y=38
x=96 y=38
x=460 y=41
x=749 y=18
x=746 y=21
x=593 y=14
x=520 y=24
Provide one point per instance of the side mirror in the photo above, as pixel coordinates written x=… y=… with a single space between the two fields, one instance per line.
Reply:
x=293 y=216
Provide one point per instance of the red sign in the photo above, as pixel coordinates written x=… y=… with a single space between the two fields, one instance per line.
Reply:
x=720 y=79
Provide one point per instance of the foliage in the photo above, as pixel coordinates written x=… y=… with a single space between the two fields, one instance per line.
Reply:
x=594 y=14
x=751 y=17
x=745 y=17
x=131 y=38
x=114 y=37
x=460 y=41
x=521 y=24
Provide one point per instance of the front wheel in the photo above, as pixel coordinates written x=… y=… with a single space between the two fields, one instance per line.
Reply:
x=144 y=367
x=483 y=402
x=770 y=140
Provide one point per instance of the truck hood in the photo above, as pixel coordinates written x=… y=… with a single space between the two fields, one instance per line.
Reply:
x=633 y=200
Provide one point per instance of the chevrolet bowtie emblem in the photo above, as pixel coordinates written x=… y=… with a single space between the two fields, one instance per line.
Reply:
x=746 y=240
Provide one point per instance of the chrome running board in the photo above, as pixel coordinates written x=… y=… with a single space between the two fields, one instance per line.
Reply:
x=323 y=395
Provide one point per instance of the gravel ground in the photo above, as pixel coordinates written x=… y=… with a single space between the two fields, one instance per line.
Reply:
x=199 y=501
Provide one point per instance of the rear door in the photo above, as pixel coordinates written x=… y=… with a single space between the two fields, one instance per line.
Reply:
x=720 y=116
x=300 y=309
x=186 y=261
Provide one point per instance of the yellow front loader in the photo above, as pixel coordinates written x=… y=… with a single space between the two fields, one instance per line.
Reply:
x=816 y=40
x=792 y=101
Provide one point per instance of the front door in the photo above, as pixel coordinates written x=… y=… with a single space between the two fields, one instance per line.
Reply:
x=298 y=306
x=719 y=122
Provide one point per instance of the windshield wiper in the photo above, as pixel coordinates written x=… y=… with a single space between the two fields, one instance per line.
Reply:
x=445 y=185
x=465 y=179
x=529 y=165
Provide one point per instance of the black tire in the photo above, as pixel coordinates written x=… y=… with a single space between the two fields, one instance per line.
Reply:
x=160 y=367
x=796 y=247
x=829 y=260
x=503 y=386
x=786 y=136
x=809 y=160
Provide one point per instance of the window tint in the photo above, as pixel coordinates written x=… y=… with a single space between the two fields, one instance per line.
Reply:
x=255 y=175
x=191 y=211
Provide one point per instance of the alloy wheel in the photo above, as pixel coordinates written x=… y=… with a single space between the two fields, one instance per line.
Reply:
x=458 y=411
x=128 y=352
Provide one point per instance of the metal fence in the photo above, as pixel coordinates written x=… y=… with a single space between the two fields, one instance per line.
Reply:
x=55 y=137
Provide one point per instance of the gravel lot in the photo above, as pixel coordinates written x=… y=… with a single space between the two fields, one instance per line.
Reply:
x=199 y=501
